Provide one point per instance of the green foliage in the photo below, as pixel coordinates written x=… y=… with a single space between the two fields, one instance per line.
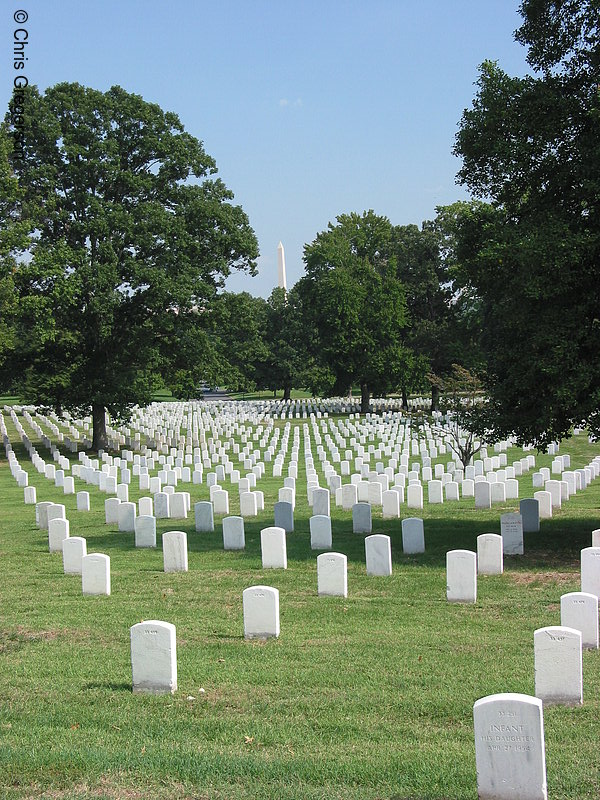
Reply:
x=532 y=146
x=356 y=303
x=130 y=238
x=238 y=321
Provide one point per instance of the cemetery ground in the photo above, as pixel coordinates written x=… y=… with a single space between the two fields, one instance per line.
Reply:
x=360 y=698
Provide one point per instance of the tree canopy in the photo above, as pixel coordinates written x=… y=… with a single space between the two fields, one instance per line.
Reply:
x=531 y=149
x=356 y=303
x=130 y=237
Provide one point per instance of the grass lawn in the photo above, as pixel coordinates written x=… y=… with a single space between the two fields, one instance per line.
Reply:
x=364 y=698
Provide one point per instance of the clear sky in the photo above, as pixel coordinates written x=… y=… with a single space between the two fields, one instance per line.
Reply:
x=311 y=108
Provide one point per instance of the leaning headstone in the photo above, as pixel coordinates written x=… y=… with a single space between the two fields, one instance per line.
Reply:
x=579 y=610
x=95 y=574
x=153 y=657
x=261 y=612
x=320 y=532
x=332 y=574
x=361 y=518
x=489 y=554
x=378 y=554
x=273 y=548
x=74 y=549
x=233 y=533
x=509 y=747
x=145 y=531
x=413 y=535
x=204 y=517
x=529 y=509
x=283 y=513
x=175 y=554
x=461 y=576
x=511 y=529
x=558 y=666
x=590 y=570
x=58 y=531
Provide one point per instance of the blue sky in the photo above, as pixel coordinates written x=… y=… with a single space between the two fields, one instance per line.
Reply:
x=311 y=109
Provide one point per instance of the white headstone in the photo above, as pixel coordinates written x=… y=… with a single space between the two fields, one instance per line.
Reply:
x=162 y=502
x=233 y=533
x=590 y=570
x=204 y=517
x=175 y=554
x=248 y=504
x=153 y=657
x=511 y=529
x=273 y=548
x=320 y=532
x=435 y=490
x=489 y=554
x=145 y=531
x=321 y=502
x=283 y=513
x=545 y=504
x=483 y=494
x=361 y=518
x=414 y=496
x=127 y=513
x=95 y=574
x=509 y=748
x=111 y=510
x=413 y=535
x=58 y=531
x=83 y=501
x=558 y=665
x=378 y=554
x=461 y=576
x=332 y=574
x=261 y=612
x=578 y=610
x=74 y=549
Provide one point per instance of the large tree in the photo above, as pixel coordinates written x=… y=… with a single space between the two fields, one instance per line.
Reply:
x=238 y=323
x=131 y=237
x=356 y=303
x=531 y=146
x=435 y=335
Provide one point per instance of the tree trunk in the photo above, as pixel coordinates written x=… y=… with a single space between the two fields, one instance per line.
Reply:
x=365 y=398
x=287 y=390
x=404 y=399
x=99 y=437
x=435 y=396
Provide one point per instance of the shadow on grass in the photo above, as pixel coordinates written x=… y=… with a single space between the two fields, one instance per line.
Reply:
x=114 y=687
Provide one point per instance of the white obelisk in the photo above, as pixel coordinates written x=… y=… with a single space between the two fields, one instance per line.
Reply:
x=281 y=282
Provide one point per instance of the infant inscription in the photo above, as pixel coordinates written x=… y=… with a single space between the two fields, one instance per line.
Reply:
x=509 y=747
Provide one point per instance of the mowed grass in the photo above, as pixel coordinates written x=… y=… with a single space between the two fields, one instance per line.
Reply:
x=360 y=698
